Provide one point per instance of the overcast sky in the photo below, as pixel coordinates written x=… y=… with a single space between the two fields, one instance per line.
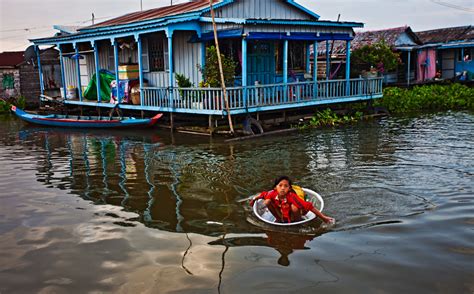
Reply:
x=24 y=19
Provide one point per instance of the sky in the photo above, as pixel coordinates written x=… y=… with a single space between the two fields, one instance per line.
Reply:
x=21 y=20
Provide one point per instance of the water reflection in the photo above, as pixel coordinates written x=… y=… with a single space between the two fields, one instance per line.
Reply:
x=388 y=183
x=188 y=187
x=284 y=243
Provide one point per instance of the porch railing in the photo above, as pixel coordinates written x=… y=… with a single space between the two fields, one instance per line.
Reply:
x=211 y=99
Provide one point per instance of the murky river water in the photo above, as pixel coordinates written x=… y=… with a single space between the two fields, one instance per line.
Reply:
x=149 y=212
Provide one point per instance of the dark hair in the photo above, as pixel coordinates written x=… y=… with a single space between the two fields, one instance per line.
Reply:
x=279 y=179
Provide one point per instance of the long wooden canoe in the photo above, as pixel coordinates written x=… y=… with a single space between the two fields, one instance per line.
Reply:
x=69 y=121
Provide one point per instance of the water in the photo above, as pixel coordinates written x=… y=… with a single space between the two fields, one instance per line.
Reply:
x=152 y=212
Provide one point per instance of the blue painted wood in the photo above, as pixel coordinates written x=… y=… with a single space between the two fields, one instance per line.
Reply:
x=244 y=70
x=208 y=101
x=140 y=67
x=285 y=66
x=116 y=67
x=348 y=67
x=40 y=70
x=308 y=58
x=409 y=68
x=261 y=63
x=328 y=61
x=97 y=69
x=63 y=78
x=170 y=61
x=78 y=69
x=315 y=69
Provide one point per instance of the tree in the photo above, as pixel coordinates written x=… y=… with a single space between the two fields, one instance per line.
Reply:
x=378 y=55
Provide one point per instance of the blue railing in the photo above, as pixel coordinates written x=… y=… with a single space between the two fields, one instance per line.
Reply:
x=261 y=97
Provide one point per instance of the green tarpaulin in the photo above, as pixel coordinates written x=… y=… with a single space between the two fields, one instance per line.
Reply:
x=106 y=77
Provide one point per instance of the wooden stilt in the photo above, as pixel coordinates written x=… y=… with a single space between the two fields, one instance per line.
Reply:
x=143 y=113
x=211 y=126
x=171 y=121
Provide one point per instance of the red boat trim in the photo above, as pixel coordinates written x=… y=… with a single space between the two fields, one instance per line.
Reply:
x=77 y=121
x=155 y=119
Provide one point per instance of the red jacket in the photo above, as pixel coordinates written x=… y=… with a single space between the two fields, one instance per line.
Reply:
x=285 y=204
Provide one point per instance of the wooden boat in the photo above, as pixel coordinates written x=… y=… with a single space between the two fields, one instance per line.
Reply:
x=68 y=121
x=264 y=214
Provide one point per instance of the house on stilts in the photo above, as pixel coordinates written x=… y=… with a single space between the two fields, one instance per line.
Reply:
x=270 y=40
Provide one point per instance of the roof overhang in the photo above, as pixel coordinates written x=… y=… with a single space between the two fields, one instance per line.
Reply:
x=457 y=45
x=283 y=22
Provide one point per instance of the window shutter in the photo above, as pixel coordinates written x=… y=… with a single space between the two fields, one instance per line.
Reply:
x=145 y=59
x=166 y=54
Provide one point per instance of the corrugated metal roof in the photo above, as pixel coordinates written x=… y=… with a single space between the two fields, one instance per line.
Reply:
x=11 y=59
x=154 y=13
x=447 y=35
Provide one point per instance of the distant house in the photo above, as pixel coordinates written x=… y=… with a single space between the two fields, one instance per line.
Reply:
x=269 y=40
x=400 y=39
x=10 y=73
x=20 y=77
x=448 y=51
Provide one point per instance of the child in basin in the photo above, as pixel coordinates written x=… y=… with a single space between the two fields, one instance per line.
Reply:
x=285 y=205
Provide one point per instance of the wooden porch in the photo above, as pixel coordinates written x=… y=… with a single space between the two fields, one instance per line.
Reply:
x=250 y=99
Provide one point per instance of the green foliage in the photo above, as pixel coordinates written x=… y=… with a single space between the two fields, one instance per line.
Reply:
x=211 y=71
x=427 y=98
x=378 y=55
x=5 y=104
x=328 y=117
x=183 y=81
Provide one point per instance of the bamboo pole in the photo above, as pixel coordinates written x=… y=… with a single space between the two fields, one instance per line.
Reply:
x=224 y=89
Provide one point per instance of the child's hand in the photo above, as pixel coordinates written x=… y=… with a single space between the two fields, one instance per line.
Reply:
x=252 y=201
x=330 y=220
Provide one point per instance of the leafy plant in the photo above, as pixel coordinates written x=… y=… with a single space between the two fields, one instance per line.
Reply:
x=427 y=98
x=328 y=117
x=378 y=55
x=5 y=104
x=183 y=81
x=211 y=71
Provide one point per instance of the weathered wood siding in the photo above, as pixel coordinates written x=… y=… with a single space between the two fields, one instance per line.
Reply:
x=187 y=56
x=277 y=28
x=448 y=58
x=70 y=71
x=261 y=9
x=29 y=76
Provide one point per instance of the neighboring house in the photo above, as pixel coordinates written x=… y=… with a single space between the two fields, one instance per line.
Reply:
x=269 y=40
x=446 y=50
x=10 y=73
x=401 y=39
x=20 y=77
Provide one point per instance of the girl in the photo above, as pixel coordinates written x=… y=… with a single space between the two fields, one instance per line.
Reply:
x=285 y=205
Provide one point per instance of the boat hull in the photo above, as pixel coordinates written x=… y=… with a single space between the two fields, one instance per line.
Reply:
x=263 y=213
x=82 y=121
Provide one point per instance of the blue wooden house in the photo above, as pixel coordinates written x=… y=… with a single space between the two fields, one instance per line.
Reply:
x=270 y=40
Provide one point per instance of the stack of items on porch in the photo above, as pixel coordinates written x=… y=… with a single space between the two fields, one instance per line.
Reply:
x=129 y=86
